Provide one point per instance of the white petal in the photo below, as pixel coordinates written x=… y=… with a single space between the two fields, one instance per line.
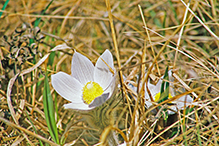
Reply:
x=172 y=112
x=148 y=103
x=147 y=100
x=108 y=58
x=151 y=86
x=154 y=89
x=77 y=106
x=123 y=144
x=111 y=85
x=102 y=74
x=184 y=100
x=99 y=100
x=180 y=103
x=82 y=68
x=170 y=75
x=159 y=83
x=67 y=86
x=108 y=93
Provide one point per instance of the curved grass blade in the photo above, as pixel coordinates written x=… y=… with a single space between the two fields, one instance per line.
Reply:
x=49 y=111
x=4 y=6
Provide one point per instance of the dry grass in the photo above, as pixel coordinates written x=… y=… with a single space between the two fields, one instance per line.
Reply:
x=149 y=36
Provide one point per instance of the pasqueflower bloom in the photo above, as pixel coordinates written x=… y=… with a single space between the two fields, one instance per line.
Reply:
x=88 y=86
x=178 y=104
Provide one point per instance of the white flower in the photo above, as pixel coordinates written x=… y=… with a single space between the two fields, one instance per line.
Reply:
x=155 y=92
x=88 y=86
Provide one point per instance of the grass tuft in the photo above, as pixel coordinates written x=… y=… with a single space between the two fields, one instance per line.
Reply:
x=146 y=38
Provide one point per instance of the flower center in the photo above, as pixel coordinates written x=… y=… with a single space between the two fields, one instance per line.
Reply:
x=90 y=91
x=157 y=96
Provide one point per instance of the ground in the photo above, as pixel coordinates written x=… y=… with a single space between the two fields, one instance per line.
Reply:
x=144 y=36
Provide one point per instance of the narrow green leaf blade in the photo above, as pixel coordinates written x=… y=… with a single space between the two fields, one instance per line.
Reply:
x=49 y=111
x=36 y=23
x=164 y=92
x=4 y=6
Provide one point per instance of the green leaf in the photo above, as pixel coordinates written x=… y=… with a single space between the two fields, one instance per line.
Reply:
x=37 y=21
x=4 y=6
x=164 y=92
x=175 y=130
x=49 y=111
x=189 y=110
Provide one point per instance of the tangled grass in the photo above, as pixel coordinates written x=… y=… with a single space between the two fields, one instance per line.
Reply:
x=144 y=37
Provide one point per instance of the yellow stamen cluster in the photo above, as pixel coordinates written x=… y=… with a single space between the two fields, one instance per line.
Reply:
x=90 y=91
x=157 y=96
